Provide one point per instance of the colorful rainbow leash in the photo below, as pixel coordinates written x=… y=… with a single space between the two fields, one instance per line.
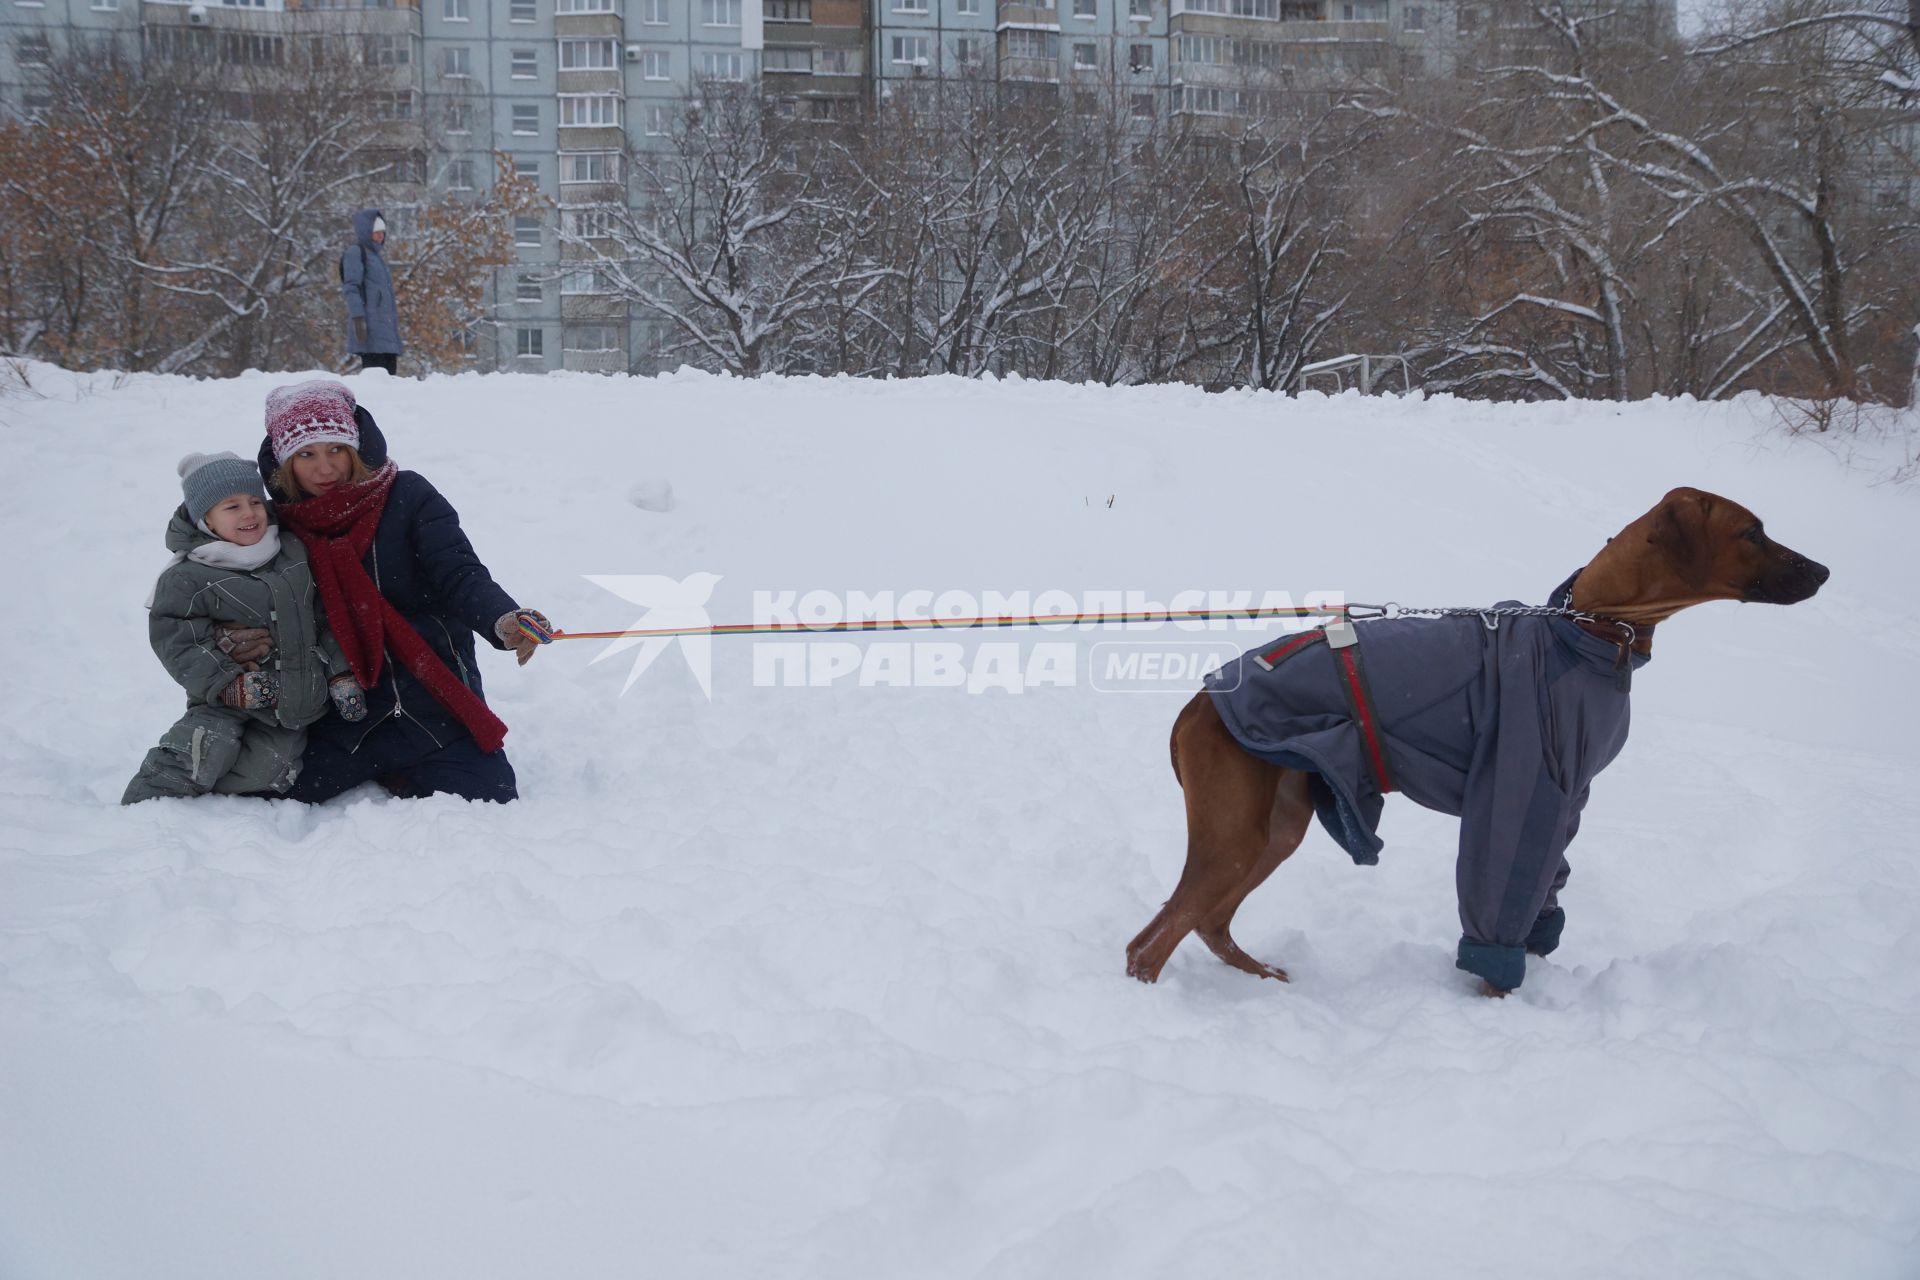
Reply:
x=1347 y=612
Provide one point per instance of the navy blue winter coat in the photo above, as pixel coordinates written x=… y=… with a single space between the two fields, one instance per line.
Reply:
x=1504 y=729
x=367 y=285
x=427 y=569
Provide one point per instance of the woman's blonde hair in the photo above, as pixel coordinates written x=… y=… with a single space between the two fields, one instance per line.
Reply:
x=288 y=489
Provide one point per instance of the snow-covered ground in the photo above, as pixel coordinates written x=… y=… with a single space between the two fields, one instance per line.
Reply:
x=827 y=981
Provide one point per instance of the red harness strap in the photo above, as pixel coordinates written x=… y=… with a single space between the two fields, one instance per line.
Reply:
x=1352 y=677
x=1353 y=683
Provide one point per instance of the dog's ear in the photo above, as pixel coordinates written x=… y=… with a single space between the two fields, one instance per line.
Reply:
x=1678 y=531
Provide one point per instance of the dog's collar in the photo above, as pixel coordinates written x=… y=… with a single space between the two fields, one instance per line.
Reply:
x=1616 y=631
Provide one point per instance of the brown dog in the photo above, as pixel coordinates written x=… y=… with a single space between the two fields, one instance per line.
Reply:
x=1245 y=814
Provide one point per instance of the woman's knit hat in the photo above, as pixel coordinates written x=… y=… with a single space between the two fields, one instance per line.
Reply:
x=316 y=412
x=207 y=479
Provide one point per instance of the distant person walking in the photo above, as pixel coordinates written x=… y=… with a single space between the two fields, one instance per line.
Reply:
x=373 y=321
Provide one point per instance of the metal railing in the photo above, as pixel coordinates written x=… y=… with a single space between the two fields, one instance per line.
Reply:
x=1364 y=371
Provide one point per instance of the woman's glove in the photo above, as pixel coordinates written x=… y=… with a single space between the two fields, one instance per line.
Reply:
x=348 y=697
x=251 y=691
x=515 y=637
x=242 y=644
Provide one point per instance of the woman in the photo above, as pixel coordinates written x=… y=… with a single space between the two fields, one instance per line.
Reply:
x=404 y=594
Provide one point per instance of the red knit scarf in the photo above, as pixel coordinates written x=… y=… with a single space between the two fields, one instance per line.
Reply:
x=338 y=528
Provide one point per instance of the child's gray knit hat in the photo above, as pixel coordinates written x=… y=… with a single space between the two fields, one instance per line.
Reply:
x=206 y=478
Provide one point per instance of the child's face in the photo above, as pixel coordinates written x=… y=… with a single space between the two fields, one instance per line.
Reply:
x=319 y=467
x=239 y=518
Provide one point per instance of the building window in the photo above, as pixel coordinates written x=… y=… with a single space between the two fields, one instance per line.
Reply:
x=594 y=280
x=526 y=288
x=522 y=11
x=1084 y=57
x=587 y=224
x=37 y=51
x=722 y=66
x=1142 y=9
x=654 y=13
x=249 y=49
x=459 y=117
x=1083 y=8
x=105 y=6
x=527 y=233
x=909 y=6
x=588 y=166
x=1033 y=44
x=524 y=64
x=720 y=13
x=401 y=166
x=529 y=344
x=1201 y=50
x=454 y=10
x=393 y=106
x=1140 y=57
x=456 y=62
x=589 y=111
x=585 y=6
x=654 y=65
x=460 y=174
x=787 y=59
x=1364 y=11
x=589 y=55
x=527 y=169
x=389 y=51
x=910 y=51
x=1414 y=19
x=787 y=10
x=526 y=118
x=592 y=337
x=1469 y=19
x=656 y=122
x=968 y=7
x=1143 y=106
x=837 y=62
x=966 y=51
x=1202 y=100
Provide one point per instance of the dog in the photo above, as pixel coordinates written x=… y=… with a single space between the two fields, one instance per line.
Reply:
x=1500 y=721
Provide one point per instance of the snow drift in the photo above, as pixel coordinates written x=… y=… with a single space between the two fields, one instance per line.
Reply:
x=827 y=981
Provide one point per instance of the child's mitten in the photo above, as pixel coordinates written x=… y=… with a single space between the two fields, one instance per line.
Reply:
x=251 y=691
x=348 y=697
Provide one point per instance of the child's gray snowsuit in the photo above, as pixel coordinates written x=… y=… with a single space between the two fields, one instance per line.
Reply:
x=214 y=747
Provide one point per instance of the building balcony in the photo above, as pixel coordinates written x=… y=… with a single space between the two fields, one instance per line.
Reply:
x=599 y=80
x=1031 y=70
x=594 y=361
x=579 y=193
x=603 y=307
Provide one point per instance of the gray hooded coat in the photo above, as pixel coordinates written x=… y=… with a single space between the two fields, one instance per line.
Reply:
x=1504 y=729
x=214 y=747
x=367 y=285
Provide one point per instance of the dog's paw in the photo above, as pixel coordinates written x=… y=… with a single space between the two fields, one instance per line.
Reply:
x=1492 y=992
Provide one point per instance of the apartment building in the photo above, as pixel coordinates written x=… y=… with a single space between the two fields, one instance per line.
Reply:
x=566 y=87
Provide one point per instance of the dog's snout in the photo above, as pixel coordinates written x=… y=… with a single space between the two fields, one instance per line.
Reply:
x=1819 y=571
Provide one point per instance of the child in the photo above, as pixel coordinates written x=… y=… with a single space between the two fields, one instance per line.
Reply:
x=245 y=726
